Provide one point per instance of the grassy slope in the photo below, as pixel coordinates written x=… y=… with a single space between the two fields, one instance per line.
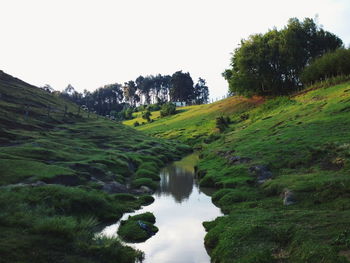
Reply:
x=54 y=222
x=193 y=123
x=304 y=141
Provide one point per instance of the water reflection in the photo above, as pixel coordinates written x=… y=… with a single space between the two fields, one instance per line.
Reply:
x=180 y=207
x=176 y=182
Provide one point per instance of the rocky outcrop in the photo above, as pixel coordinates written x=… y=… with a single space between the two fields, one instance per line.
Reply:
x=288 y=197
x=261 y=172
x=238 y=159
x=233 y=159
x=114 y=188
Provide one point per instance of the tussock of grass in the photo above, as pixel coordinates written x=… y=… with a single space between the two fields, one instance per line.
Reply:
x=130 y=230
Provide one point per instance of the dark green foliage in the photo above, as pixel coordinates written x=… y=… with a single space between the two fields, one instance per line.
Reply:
x=55 y=223
x=167 y=109
x=181 y=87
x=330 y=65
x=153 y=107
x=148 y=217
x=136 y=124
x=222 y=123
x=271 y=63
x=130 y=230
x=147 y=115
x=146 y=199
x=201 y=92
x=128 y=113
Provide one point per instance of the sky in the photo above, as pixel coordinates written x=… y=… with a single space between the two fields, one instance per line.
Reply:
x=90 y=43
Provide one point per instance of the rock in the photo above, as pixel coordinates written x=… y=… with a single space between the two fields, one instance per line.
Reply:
x=114 y=188
x=288 y=197
x=238 y=159
x=67 y=180
x=38 y=183
x=142 y=190
x=146 y=189
x=261 y=172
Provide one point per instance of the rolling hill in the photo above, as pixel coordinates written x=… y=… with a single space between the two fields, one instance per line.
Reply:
x=63 y=171
x=281 y=169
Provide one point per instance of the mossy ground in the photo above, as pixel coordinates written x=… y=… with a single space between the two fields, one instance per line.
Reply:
x=45 y=138
x=304 y=140
x=130 y=230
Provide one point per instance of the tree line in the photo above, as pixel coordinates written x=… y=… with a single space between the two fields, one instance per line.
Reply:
x=148 y=90
x=272 y=63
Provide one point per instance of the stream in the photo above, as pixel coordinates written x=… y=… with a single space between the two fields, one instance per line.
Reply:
x=180 y=207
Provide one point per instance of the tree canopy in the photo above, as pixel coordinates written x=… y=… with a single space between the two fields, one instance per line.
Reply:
x=330 y=65
x=147 y=90
x=271 y=63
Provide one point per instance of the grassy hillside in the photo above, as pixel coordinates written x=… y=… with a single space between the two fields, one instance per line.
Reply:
x=192 y=124
x=62 y=172
x=282 y=173
x=303 y=142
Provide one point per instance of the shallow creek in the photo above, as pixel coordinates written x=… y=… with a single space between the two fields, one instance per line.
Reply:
x=180 y=207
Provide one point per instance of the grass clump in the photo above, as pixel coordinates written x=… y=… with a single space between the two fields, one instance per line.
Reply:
x=138 y=228
x=137 y=183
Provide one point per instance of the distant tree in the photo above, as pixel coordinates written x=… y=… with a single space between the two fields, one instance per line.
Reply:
x=129 y=89
x=271 y=63
x=181 y=87
x=201 y=92
x=147 y=115
x=167 y=109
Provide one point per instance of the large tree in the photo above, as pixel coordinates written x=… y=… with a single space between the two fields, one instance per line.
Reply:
x=271 y=63
x=181 y=87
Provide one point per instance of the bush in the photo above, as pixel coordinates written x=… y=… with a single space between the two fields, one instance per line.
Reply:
x=153 y=107
x=167 y=109
x=136 y=123
x=222 y=123
x=330 y=65
x=147 y=115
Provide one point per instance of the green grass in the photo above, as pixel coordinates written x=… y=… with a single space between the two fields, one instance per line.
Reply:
x=304 y=141
x=192 y=124
x=130 y=231
x=74 y=154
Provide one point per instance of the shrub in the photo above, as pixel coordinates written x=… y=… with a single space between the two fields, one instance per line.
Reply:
x=153 y=107
x=136 y=123
x=167 y=109
x=221 y=123
x=147 y=115
x=330 y=65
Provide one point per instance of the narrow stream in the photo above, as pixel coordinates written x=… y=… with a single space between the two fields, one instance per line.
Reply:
x=180 y=207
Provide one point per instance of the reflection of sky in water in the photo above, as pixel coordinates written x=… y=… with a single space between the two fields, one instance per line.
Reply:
x=180 y=208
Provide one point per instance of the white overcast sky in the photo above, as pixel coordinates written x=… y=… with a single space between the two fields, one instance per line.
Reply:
x=89 y=43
